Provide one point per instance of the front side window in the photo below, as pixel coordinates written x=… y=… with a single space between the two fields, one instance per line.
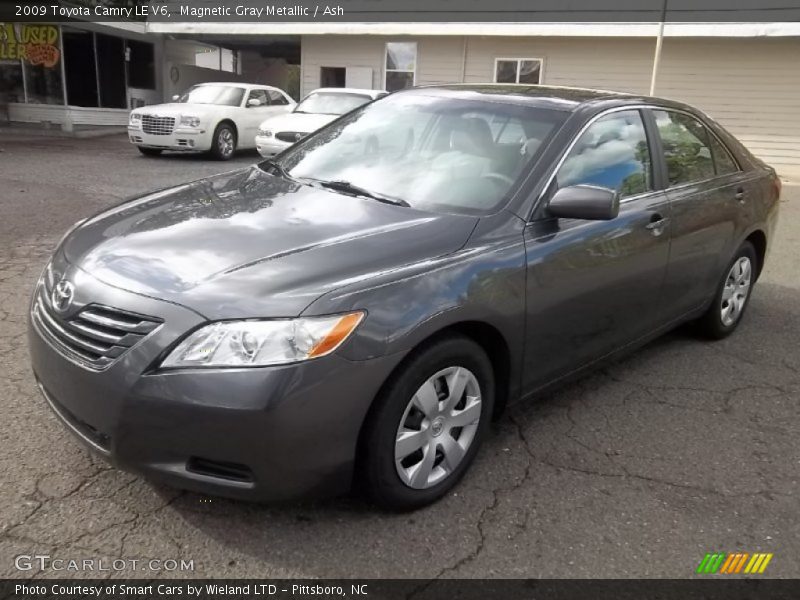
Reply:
x=686 y=147
x=276 y=98
x=222 y=95
x=331 y=103
x=518 y=70
x=260 y=95
x=612 y=153
x=401 y=65
x=431 y=152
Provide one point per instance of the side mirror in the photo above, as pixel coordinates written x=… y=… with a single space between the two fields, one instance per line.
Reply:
x=590 y=202
x=176 y=97
x=253 y=102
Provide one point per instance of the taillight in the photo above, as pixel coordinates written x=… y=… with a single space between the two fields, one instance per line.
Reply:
x=777 y=185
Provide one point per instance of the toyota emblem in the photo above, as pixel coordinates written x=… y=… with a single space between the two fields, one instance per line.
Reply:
x=61 y=295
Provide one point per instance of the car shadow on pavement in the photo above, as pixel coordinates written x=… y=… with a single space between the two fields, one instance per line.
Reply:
x=250 y=154
x=577 y=472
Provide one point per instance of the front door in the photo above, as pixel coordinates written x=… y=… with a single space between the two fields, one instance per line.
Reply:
x=594 y=286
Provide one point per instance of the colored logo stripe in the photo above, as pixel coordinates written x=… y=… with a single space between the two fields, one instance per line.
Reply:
x=734 y=562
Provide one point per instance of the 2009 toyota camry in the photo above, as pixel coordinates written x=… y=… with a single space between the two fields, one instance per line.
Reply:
x=358 y=308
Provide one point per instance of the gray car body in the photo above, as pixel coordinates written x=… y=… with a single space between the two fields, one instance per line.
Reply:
x=547 y=298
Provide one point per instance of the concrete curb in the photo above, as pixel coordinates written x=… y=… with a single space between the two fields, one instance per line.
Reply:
x=23 y=132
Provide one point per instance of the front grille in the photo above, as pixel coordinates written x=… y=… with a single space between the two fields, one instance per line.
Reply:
x=157 y=125
x=97 y=335
x=290 y=136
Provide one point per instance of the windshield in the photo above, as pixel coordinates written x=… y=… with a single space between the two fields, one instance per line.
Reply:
x=429 y=152
x=224 y=95
x=331 y=103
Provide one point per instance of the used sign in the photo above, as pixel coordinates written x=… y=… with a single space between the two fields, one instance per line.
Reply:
x=34 y=44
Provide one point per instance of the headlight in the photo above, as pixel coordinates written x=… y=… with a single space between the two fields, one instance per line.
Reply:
x=261 y=343
x=265 y=132
x=135 y=118
x=190 y=121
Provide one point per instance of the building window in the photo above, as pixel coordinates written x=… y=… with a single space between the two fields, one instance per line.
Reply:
x=141 y=65
x=30 y=63
x=401 y=65
x=219 y=59
x=332 y=76
x=518 y=70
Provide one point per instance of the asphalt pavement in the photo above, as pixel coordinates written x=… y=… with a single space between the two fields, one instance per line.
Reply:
x=638 y=470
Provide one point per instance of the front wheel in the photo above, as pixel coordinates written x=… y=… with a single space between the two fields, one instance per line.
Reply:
x=428 y=424
x=733 y=295
x=223 y=144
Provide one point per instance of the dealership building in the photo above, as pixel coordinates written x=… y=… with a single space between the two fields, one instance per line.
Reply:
x=745 y=75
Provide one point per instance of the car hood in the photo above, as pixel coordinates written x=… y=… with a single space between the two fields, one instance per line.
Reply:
x=302 y=122
x=250 y=244
x=173 y=109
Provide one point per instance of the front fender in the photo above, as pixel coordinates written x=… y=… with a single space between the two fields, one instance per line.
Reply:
x=483 y=283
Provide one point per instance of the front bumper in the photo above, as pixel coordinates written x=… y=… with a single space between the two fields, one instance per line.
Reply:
x=272 y=433
x=269 y=146
x=181 y=139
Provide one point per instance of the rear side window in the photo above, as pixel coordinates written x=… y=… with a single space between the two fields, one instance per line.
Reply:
x=723 y=161
x=686 y=147
x=611 y=153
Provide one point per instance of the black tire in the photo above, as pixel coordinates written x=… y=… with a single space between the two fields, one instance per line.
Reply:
x=711 y=325
x=150 y=151
x=219 y=149
x=377 y=471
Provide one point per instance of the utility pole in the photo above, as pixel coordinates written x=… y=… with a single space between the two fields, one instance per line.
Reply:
x=659 y=43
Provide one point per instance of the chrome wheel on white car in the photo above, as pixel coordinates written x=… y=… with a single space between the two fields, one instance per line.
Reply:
x=223 y=145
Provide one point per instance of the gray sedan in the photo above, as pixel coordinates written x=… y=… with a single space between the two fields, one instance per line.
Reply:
x=356 y=310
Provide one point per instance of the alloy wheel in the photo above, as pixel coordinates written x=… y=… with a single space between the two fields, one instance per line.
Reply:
x=438 y=427
x=225 y=142
x=736 y=290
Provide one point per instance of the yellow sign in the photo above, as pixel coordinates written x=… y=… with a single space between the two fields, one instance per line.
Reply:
x=34 y=44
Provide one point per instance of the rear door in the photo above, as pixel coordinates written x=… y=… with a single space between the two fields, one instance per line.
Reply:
x=594 y=286
x=709 y=196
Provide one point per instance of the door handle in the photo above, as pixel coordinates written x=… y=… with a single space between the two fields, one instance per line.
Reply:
x=657 y=224
x=739 y=195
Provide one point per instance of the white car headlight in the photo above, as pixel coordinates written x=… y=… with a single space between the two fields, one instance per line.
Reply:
x=261 y=343
x=135 y=118
x=189 y=121
x=265 y=132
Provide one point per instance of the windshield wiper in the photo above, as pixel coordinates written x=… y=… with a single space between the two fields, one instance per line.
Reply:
x=275 y=165
x=346 y=187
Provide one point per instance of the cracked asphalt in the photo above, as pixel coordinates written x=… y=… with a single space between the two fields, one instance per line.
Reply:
x=638 y=470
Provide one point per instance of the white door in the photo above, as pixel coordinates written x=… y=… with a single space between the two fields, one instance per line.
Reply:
x=358 y=77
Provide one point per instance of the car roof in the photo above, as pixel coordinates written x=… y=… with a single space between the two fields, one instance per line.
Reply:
x=239 y=84
x=344 y=90
x=546 y=96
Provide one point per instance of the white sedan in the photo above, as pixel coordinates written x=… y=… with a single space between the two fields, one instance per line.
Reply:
x=319 y=108
x=209 y=117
